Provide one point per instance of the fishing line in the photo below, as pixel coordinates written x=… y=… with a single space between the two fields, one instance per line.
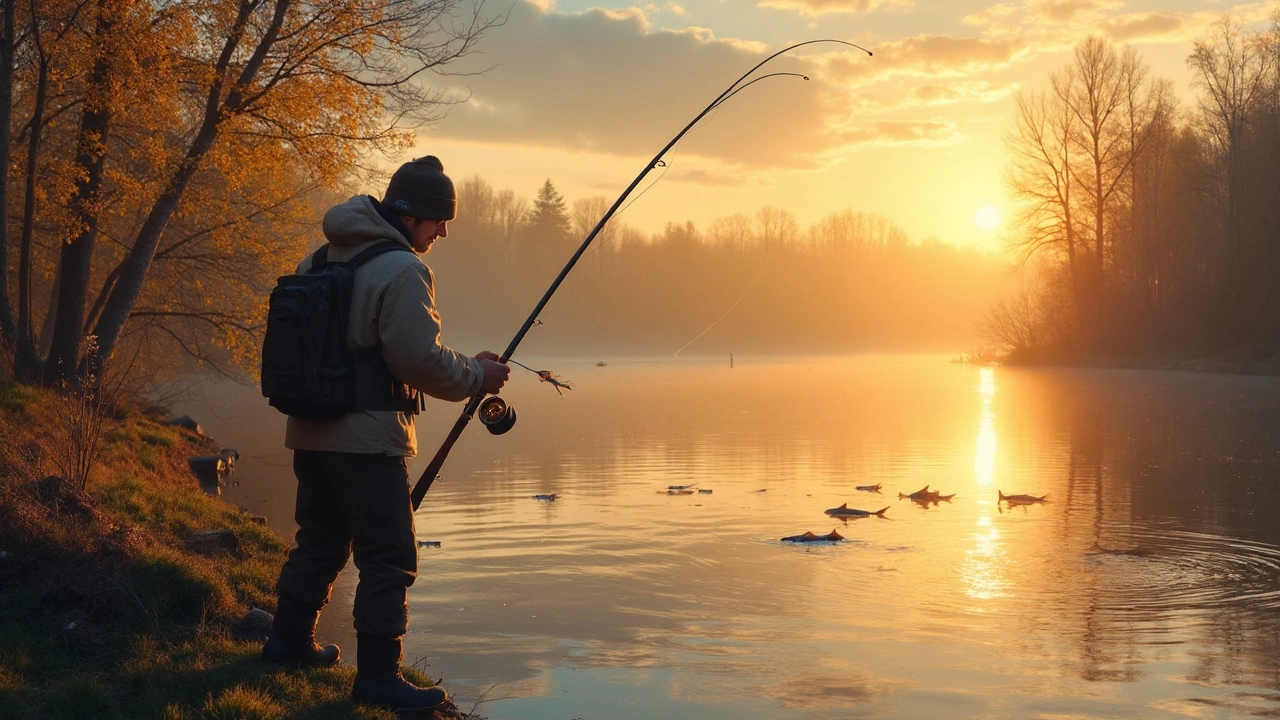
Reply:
x=500 y=416
x=526 y=367
x=667 y=164
x=715 y=322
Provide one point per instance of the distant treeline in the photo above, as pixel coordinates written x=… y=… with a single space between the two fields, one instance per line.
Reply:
x=754 y=284
x=1155 y=227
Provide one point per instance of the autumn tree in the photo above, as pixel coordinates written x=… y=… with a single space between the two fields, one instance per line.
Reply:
x=194 y=120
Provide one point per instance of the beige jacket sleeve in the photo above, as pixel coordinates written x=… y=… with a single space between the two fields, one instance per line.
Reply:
x=409 y=330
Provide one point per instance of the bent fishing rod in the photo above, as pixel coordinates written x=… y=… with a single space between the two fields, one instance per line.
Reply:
x=496 y=414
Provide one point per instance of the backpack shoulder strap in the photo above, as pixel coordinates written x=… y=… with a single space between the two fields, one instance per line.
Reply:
x=320 y=258
x=374 y=251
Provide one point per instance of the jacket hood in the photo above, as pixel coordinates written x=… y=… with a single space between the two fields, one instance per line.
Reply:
x=356 y=222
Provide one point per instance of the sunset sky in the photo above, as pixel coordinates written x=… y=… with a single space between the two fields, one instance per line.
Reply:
x=585 y=93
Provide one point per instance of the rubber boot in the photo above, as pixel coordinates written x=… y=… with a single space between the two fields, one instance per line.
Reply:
x=292 y=640
x=379 y=682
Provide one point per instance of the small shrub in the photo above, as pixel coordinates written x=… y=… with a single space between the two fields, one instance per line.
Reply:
x=15 y=655
x=16 y=398
x=84 y=697
x=155 y=438
x=241 y=703
x=168 y=589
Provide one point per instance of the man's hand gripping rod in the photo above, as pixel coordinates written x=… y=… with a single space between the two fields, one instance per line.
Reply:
x=433 y=468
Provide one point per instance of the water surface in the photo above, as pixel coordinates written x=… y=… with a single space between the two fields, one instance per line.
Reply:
x=1146 y=586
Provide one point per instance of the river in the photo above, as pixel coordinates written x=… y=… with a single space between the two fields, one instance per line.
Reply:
x=1147 y=585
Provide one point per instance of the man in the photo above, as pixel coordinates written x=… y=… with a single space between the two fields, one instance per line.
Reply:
x=353 y=481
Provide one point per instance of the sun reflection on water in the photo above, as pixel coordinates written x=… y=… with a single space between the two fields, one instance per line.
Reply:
x=984 y=462
x=983 y=569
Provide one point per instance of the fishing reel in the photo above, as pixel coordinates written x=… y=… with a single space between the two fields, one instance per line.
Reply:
x=496 y=415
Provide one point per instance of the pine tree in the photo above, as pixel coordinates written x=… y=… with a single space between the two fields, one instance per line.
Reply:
x=549 y=218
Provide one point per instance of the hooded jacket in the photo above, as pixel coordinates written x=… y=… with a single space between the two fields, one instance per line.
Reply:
x=393 y=308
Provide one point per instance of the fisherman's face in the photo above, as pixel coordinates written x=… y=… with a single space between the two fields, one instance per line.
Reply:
x=424 y=232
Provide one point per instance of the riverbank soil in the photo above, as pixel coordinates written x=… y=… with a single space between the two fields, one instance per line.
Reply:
x=114 y=603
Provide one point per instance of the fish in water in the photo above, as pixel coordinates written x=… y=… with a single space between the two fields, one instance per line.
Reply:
x=809 y=537
x=1020 y=499
x=675 y=492
x=844 y=511
x=869 y=488
x=924 y=494
x=549 y=497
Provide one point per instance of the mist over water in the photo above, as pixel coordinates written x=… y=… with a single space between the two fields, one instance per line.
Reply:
x=1147 y=585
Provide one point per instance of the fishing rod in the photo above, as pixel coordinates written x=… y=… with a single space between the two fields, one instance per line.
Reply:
x=494 y=412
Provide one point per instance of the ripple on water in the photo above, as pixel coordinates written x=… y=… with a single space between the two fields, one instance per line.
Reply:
x=1170 y=571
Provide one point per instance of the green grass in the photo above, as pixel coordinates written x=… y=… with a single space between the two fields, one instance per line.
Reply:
x=15 y=398
x=106 y=613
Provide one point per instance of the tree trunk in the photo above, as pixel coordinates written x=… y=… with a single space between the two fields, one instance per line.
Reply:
x=133 y=271
x=8 y=328
x=26 y=362
x=77 y=255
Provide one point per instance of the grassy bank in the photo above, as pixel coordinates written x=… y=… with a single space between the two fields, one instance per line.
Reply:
x=109 y=607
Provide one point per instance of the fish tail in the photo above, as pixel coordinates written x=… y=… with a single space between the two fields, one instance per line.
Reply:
x=880 y=512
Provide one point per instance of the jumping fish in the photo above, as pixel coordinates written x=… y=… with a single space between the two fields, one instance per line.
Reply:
x=809 y=537
x=869 y=488
x=844 y=511
x=1020 y=499
x=681 y=487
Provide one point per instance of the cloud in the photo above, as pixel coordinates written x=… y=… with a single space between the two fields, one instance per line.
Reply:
x=950 y=93
x=1167 y=26
x=1062 y=11
x=607 y=82
x=929 y=133
x=816 y=8
x=670 y=7
x=1148 y=26
x=931 y=56
x=991 y=15
x=1048 y=26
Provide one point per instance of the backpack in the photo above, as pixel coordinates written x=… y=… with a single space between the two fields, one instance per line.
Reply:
x=307 y=369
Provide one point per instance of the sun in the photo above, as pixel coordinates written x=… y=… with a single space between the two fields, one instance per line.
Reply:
x=987 y=217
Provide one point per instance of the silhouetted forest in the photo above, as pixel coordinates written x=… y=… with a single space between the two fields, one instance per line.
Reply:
x=1155 y=227
x=754 y=284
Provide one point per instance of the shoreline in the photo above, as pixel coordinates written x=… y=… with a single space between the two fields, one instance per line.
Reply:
x=169 y=620
x=1215 y=364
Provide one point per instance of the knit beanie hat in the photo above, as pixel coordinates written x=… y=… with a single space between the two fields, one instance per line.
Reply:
x=420 y=189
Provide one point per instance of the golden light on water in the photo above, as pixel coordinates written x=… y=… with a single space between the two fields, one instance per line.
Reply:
x=987 y=217
x=984 y=461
